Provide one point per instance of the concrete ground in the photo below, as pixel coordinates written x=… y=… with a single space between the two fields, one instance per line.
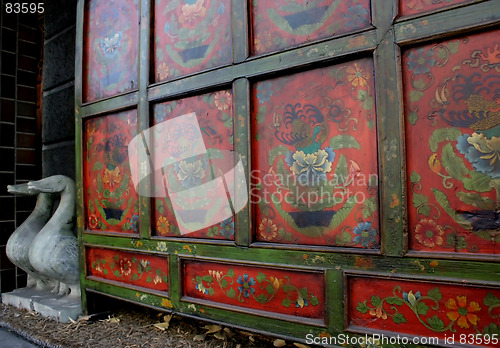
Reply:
x=9 y=339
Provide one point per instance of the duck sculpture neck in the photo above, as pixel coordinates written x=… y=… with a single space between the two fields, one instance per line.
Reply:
x=20 y=241
x=54 y=251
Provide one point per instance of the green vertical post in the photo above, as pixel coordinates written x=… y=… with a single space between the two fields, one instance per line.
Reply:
x=335 y=300
x=79 y=147
x=175 y=280
x=241 y=107
x=143 y=107
x=240 y=30
x=392 y=174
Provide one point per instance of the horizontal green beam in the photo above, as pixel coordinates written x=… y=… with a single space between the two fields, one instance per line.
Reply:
x=453 y=22
x=356 y=259
x=301 y=57
x=124 y=101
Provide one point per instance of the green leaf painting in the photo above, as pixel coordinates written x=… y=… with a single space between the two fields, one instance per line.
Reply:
x=443 y=134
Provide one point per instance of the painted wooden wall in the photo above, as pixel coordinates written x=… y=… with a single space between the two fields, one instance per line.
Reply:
x=369 y=133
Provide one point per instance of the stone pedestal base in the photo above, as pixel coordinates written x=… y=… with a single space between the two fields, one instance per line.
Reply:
x=45 y=302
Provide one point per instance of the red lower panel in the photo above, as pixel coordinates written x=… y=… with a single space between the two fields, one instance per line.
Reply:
x=425 y=308
x=144 y=270
x=296 y=293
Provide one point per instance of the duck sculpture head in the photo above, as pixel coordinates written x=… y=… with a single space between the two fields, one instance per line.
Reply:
x=66 y=187
x=52 y=184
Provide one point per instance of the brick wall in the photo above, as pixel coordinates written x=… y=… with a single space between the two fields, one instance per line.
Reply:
x=20 y=120
x=58 y=121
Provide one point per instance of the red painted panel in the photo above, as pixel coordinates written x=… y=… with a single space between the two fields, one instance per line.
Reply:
x=214 y=113
x=111 y=44
x=424 y=308
x=296 y=293
x=411 y=7
x=315 y=165
x=110 y=198
x=144 y=270
x=281 y=24
x=191 y=36
x=452 y=106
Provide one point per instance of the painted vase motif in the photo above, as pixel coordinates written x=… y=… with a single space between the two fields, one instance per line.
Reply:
x=215 y=119
x=111 y=43
x=191 y=36
x=315 y=172
x=110 y=198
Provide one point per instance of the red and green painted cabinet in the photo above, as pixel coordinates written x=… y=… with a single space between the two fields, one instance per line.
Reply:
x=367 y=137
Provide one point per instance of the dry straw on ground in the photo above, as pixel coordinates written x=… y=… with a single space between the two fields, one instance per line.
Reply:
x=130 y=327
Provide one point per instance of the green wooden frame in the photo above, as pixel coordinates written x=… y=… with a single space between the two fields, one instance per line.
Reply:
x=383 y=41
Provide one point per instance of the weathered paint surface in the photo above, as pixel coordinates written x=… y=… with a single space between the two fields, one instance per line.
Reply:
x=412 y=7
x=453 y=135
x=425 y=309
x=138 y=269
x=214 y=113
x=191 y=36
x=315 y=171
x=111 y=48
x=280 y=24
x=110 y=197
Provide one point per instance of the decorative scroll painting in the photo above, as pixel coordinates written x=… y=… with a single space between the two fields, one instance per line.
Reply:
x=110 y=198
x=214 y=114
x=452 y=103
x=191 y=36
x=281 y=24
x=111 y=48
x=314 y=177
x=147 y=271
x=411 y=7
x=425 y=309
x=296 y=293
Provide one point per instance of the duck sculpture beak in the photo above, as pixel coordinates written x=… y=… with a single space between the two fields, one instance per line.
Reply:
x=22 y=189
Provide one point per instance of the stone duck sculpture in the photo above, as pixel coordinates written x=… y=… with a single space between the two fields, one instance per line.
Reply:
x=19 y=243
x=54 y=251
